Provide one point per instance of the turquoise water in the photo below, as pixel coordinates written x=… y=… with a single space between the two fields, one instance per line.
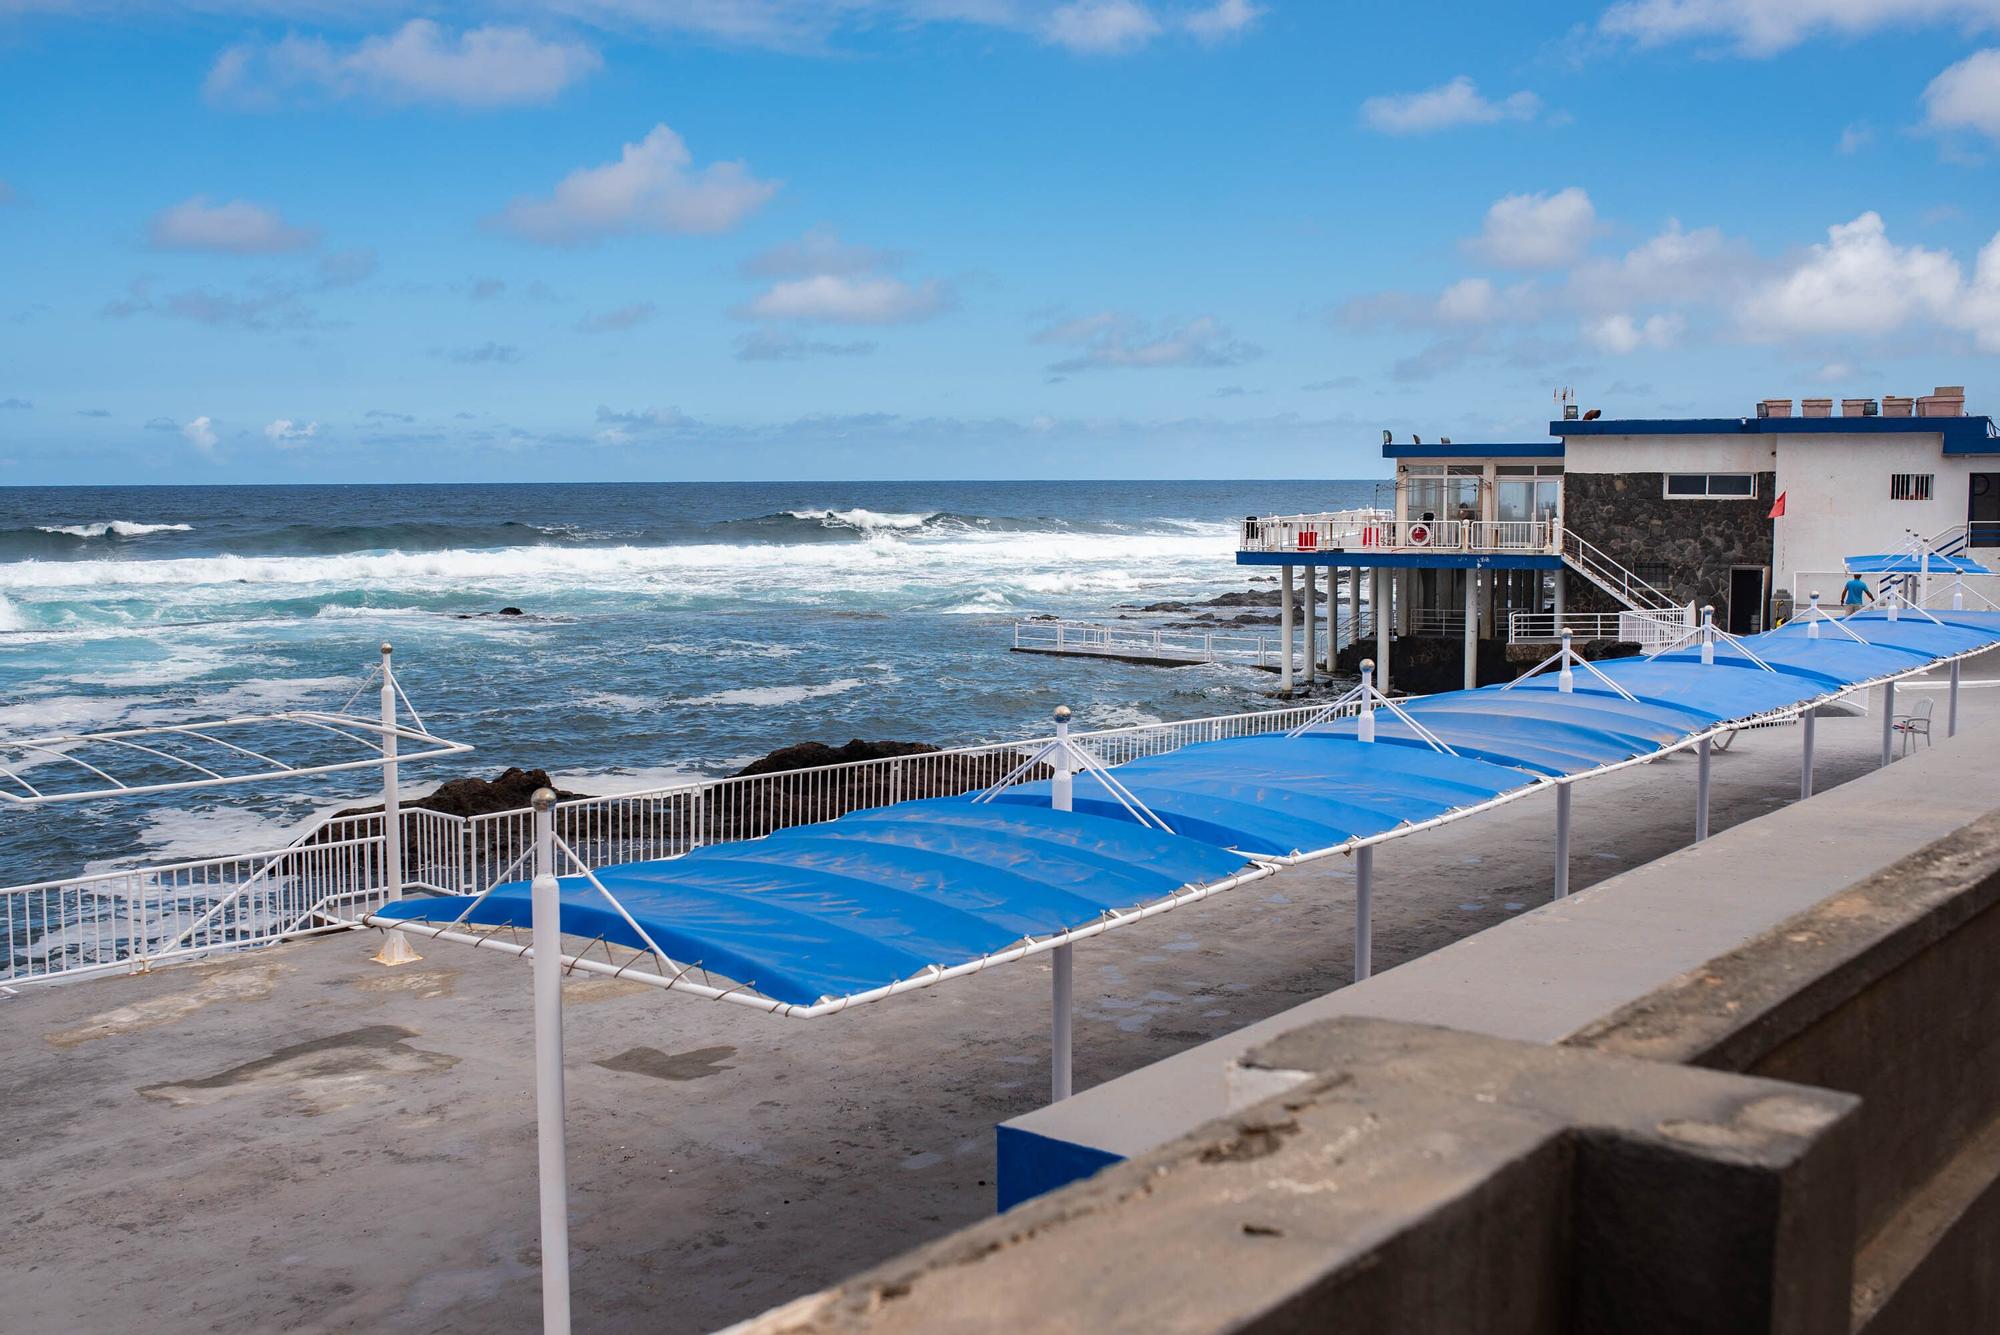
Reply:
x=667 y=630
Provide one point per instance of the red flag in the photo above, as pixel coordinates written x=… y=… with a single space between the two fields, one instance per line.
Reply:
x=1778 y=507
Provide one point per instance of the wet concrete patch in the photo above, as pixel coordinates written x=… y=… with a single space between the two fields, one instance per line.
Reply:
x=424 y=984
x=215 y=983
x=324 y=1074
x=696 y=1064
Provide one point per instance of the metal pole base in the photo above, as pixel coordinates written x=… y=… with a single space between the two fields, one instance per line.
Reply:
x=396 y=949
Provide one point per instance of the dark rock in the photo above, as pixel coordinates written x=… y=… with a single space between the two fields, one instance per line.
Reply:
x=809 y=755
x=511 y=612
x=479 y=797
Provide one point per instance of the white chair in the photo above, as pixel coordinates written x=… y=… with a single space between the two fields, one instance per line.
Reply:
x=1915 y=724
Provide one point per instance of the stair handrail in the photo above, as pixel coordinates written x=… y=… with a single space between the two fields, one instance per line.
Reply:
x=1612 y=576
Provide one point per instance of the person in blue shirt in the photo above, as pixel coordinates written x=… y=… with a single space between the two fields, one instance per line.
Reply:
x=1854 y=593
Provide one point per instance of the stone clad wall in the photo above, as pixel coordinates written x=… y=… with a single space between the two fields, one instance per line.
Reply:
x=1628 y=516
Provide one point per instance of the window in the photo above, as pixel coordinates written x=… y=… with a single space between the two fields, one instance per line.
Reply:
x=1910 y=486
x=1712 y=486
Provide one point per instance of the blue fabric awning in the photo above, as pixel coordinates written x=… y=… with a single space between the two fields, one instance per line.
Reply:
x=1903 y=563
x=880 y=896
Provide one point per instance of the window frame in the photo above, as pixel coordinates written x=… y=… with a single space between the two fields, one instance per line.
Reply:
x=1708 y=491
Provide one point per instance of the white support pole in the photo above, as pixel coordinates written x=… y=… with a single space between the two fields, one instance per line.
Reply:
x=1566 y=675
x=1364 y=912
x=1364 y=723
x=1812 y=616
x=1061 y=959
x=1924 y=577
x=1951 y=706
x=1562 y=840
x=1312 y=624
x=1471 y=629
x=1806 y=755
x=392 y=805
x=546 y=906
x=1708 y=634
x=1353 y=605
x=1384 y=615
x=1285 y=628
x=1702 y=761
x=1332 y=618
x=1888 y=720
x=1958 y=591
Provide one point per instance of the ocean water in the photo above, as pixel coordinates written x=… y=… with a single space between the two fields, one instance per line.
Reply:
x=668 y=630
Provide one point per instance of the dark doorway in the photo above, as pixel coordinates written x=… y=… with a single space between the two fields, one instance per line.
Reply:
x=1746 y=600
x=1982 y=513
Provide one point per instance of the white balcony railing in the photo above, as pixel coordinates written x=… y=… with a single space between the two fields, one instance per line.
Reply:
x=1642 y=628
x=1374 y=530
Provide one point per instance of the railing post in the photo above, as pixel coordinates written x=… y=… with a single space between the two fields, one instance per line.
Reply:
x=1888 y=720
x=1061 y=963
x=1364 y=912
x=1702 y=760
x=1951 y=707
x=392 y=808
x=1806 y=755
x=1364 y=724
x=546 y=900
x=1562 y=840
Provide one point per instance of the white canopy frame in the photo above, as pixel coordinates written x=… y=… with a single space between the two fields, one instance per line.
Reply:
x=383 y=743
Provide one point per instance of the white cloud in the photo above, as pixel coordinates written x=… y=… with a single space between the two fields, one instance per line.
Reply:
x=285 y=432
x=1967 y=95
x=1468 y=301
x=617 y=321
x=1977 y=311
x=1101 y=27
x=850 y=299
x=818 y=252
x=200 y=433
x=1674 y=266
x=1538 y=231
x=419 y=62
x=770 y=345
x=821 y=278
x=1109 y=340
x=1445 y=107
x=1856 y=282
x=236 y=228
x=649 y=189
x=1765 y=27
x=1223 y=20
x=1622 y=333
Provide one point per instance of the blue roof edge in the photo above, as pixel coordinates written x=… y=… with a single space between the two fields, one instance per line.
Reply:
x=1961 y=435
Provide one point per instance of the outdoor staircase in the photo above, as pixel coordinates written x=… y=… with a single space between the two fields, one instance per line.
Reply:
x=1950 y=542
x=1607 y=574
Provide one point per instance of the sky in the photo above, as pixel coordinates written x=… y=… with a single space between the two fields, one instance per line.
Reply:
x=299 y=241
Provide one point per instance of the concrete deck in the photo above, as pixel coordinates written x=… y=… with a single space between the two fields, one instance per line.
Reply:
x=297 y=1139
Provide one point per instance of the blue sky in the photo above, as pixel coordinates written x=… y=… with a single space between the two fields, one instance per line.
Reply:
x=660 y=239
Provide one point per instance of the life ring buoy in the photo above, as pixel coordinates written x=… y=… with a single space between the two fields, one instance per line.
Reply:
x=1420 y=535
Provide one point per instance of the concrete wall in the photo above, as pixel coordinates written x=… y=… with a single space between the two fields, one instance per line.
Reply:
x=1753 y=1086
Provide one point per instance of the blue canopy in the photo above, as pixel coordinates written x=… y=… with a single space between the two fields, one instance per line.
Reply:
x=878 y=896
x=1905 y=563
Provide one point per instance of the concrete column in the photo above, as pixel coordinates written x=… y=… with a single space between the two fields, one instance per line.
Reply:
x=1384 y=615
x=1471 y=629
x=1703 y=756
x=1353 y=603
x=1285 y=628
x=1562 y=840
x=1562 y=596
x=1332 y=617
x=1888 y=721
x=1364 y=912
x=1311 y=627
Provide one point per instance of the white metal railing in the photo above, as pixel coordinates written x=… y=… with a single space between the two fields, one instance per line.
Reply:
x=1642 y=628
x=1375 y=530
x=132 y=919
x=1189 y=646
x=1437 y=621
x=1608 y=574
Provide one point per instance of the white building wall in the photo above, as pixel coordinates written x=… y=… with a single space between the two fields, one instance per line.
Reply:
x=1670 y=454
x=1837 y=498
